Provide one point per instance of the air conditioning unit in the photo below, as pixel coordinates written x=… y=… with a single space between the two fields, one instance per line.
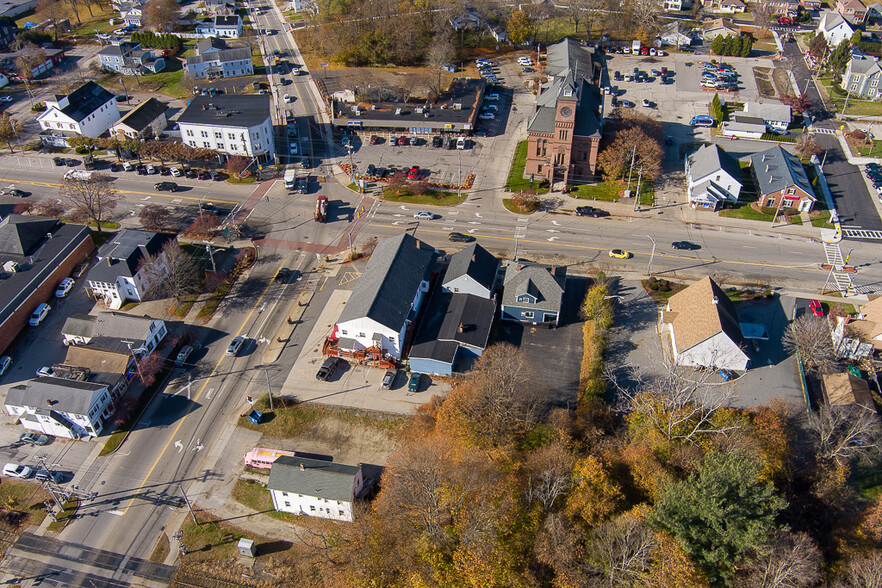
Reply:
x=10 y=267
x=419 y=110
x=457 y=106
x=397 y=112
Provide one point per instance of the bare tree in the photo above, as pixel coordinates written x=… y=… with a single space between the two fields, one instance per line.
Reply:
x=809 y=336
x=806 y=145
x=172 y=272
x=154 y=216
x=9 y=130
x=622 y=551
x=864 y=571
x=29 y=57
x=794 y=562
x=845 y=433
x=162 y=15
x=52 y=207
x=763 y=13
x=439 y=55
x=550 y=474
x=92 y=199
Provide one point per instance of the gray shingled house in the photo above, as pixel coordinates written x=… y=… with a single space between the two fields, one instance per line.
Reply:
x=533 y=293
x=314 y=487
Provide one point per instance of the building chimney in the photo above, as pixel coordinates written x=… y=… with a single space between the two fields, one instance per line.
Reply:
x=460 y=328
x=716 y=300
x=48 y=402
x=302 y=468
x=520 y=266
x=473 y=257
x=419 y=243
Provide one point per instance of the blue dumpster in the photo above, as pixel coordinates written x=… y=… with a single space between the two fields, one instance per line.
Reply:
x=255 y=417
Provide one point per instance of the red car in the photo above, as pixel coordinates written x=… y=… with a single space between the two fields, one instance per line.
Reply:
x=785 y=20
x=644 y=51
x=816 y=308
x=414 y=173
x=401 y=141
x=374 y=139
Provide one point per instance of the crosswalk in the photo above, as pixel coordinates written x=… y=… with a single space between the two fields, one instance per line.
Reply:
x=861 y=234
x=823 y=131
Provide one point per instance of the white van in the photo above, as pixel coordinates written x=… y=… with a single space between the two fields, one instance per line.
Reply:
x=78 y=174
x=39 y=314
x=461 y=143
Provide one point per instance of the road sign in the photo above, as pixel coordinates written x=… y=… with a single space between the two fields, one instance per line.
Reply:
x=324 y=64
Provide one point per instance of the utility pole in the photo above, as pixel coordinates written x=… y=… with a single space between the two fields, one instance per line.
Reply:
x=269 y=389
x=637 y=195
x=134 y=358
x=631 y=169
x=190 y=506
x=651 y=257
x=459 y=183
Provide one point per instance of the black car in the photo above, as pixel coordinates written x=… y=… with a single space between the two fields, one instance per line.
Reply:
x=382 y=172
x=327 y=370
x=165 y=187
x=590 y=211
x=72 y=162
x=437 y=141
x=371 y=170
x=164 y=171
x=14 y=192
x=688 y=246
x=203 y=175
x=191 y=173
x=459 y=238
x=116 y=167
x=142 y=170
x=58 y=161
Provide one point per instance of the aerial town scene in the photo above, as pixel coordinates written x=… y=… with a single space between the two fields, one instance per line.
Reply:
x=441 y=293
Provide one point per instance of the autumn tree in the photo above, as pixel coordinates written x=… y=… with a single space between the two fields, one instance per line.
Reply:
x=154 y=217
x=170 y=273
x=439 y=55
x=560 y=547
x=809 y=336
x=721 y=513
x=594 y=495
x=92 y=199
x=622 y=551
x=794 y=561
x=520 y=27
x=799 y=103
x=549 y=472
x=162 y=15
x=864 y=571
x=9 y=130
x=90 y=143
x=50 y=10
x=203 y=225
x=635 y=137
x=149 y=367
x=818 y=46
x=844 y=434
x=500 y=400
x=236 y=164
x=806 y=146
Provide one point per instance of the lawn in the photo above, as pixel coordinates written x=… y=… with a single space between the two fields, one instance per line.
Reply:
x=26 y=497
x=864 y=149
x=430 y=196
x=823 y=220
x=745 y=211
x=169 y=81
x=212 y=540
x=516 y=181
x=255 y=496
x=611 y=192
x=510 y=206
x=855 y=107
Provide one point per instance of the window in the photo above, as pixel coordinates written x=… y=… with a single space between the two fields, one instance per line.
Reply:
x=288 y=504
x=527 y=314
x=564 y=135
x=361 y=335
x=189 y=133
x=341 y=513
x=218 y=135
x=204 y=134
x=231 y=136
x=791 y=190
x=312 y=508
x=539 y=169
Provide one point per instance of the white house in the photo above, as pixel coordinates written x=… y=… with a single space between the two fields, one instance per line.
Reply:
x=229 y=27
x=472 y=270
x=703 y=326
x=133 y=16
x=862 y=77
x=776 y=116
x=220 y=6
x=147 y=120
x=713 y=178
x=214 y=59
x=676 y=33
x=315 y=487
x=236 y=124
x=89 y=110
x=119 y=274
x=60 y=407
x=835 y=28
x=387 y=296
x=115 y=331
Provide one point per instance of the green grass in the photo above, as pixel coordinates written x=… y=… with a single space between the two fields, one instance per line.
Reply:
x=510 y=206
x=212 y=303
x=552 y=30
x=25 y=497
x=162 y=549
x=105 y=225
x=823 y=220
x=281 y=422
x=660 y=296
x=855 y=107
x=516 y=181
x=744 y=210
x=430 y=197
x=609 y=192
x=873 y=151
x=63 y=518
x=180 y=309
x=211 y=540
x=245 y=180
x=868 y=481
x=255 y=496
x=101 y=238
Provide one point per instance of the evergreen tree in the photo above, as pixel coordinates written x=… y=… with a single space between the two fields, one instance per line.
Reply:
x=717 y=45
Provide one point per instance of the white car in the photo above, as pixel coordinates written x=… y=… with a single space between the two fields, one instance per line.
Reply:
x=490 y=107
x=5 y=362
x=64 y=287
x=13 y=470
x=424 y=215
x=176 y=172
x=652 y=51
x=461 y=143
x=486 y=116
x=45 y=372
x=39 y=314
x=491 y=97
x=5 y=98
x=267 y=32
x=286 y=98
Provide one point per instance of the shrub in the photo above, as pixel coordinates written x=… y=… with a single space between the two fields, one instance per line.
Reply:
x=39 y=107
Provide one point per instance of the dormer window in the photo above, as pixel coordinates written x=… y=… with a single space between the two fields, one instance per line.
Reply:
x=568 y=91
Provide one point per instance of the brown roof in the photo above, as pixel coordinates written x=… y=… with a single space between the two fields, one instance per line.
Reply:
x=97 y=360
x=695 y=317
x=872 y=312
x=844 y=389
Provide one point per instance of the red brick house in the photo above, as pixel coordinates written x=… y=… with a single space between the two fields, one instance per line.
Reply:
x=781 y=180
x=565 y=128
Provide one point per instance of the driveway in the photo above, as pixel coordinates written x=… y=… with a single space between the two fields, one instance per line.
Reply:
x=555 y=353
x=848 y=187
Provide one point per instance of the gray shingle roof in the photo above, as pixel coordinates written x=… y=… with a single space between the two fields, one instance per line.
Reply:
x=863 y=65
x=439 y=335
x=566 y=56
x=776 y=169
x=144 y=114
x=121 y=255
x=324 y=479
x=587 y=123
x=209 y=43
x=474 y=261
x=108 y=329
x=20 y=235
x=70 y=396
x=535 y=279
x=221 y=56
x=243 y=110
x=710 y=158
x=386 y=289
x=769 y=111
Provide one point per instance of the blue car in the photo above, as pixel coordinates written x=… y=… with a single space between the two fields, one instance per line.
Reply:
x=413 y=384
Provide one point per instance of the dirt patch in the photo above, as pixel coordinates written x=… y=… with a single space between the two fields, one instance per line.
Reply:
x=344 y=440
x=782 y=81
x=764 y=83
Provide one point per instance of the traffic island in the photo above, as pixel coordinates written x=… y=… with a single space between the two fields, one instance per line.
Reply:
x=286 y=329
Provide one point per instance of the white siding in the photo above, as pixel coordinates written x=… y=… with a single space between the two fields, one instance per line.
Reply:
x=467 y=285
x=313 y=506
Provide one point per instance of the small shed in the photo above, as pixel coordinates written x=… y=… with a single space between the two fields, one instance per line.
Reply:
x=844 y=389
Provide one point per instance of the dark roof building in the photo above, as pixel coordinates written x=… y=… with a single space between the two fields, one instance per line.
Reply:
x=781 y=180
x=83 y=101
x=243 y=110
x=122 y=254
x=36 y=253
x=533 y=293
x=472 y=270
x=150 y=114
x=210 y=44
x=59 y=406
x=313 y=487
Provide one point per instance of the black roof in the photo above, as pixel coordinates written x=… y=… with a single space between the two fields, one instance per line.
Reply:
x=226 y=21
x=142 y=115
x=476 y=262
x=37 y=265
x=121 y=255
x=85 y=100
x=210 y=43
x=245 y=110
x=452 y=319
x=386 y=289
x=20 y=235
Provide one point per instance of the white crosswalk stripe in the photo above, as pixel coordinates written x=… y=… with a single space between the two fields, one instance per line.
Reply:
x=861 y=234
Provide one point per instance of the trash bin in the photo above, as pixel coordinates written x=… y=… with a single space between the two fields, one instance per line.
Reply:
x=255 y=417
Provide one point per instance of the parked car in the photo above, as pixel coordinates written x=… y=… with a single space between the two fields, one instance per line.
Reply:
x=437 y=141
x=413 y=384
x=590 y=211
x=491 y=96
x=116 y=167
x=203 y=175
x=49 y=476
x=486 y=116
x=33 y=438
x=388 y=379
x=371 y=170
x=726 y=374
x=687 y=245
x=374 y=140
x=460 y=238
x=165 y=187
x=10 y=191
x=45 y=372
x=183 y=355
x=816 y=308
x=39 y=314
x=414 y=141
x=461 y=143
x=128 y=166
x=5 y=362
x=235 y=346
x=191 y=173
x=64 y=287
x=14 y=470
x=620 y=254
x=327 y=369
x=414 y=173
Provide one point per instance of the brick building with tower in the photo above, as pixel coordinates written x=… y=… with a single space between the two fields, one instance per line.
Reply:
x=565 y=128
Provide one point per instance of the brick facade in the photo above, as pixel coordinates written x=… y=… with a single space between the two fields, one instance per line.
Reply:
x=562 y=156
x=786 y=198
x=18 y=319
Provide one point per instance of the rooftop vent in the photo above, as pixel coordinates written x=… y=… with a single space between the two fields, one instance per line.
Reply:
x=397 y=112
x=457 y=106
x=716 y=300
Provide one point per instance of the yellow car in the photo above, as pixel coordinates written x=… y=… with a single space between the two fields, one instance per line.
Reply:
x=620 y=254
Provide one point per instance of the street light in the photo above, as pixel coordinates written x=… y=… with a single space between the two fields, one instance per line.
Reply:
x=651 y=256
x=126 y=92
